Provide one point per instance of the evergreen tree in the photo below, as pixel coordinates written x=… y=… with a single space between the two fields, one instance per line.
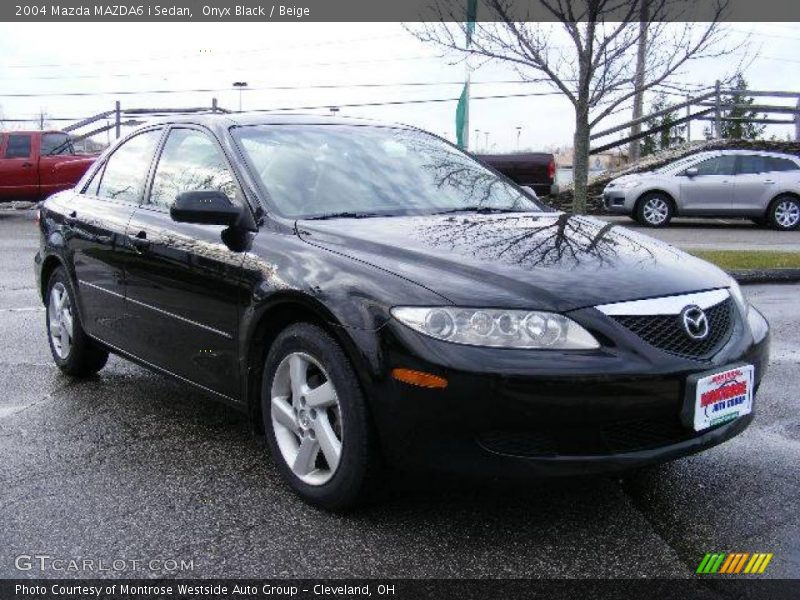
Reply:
x=670 y=135
x=743 y=128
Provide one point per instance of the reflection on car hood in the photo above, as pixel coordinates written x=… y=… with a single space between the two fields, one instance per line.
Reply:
x=550 y=261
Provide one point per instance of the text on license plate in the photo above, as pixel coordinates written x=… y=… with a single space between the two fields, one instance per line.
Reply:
x=723 y=396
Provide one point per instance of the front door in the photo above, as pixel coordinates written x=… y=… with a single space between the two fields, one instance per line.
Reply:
x=19 y=177
x=711 y=189
x=184 y=283
x=96 y=234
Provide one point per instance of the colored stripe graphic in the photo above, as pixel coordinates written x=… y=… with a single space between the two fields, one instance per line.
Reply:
x=733 y=563
x=764 y=564
x=740 y=563
x=703 y=563
x=727 y=564
x=718 y=563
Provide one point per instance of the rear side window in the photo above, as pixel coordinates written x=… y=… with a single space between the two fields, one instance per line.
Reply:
x=190 y=162
x=752 y=163
x=781 y=164
x=56 y=143
x=719 y=165
x=19 y=146
x=126 y=170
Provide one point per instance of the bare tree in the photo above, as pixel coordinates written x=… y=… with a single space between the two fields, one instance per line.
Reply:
x=42 y=119
x=586 y=51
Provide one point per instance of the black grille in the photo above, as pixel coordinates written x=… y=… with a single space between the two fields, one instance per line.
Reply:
x=629 y=435
x=667 y=333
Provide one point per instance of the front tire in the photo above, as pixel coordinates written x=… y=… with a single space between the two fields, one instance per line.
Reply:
x=316 y=420
x=74 y=352
x=784 y=213
x=654 y=209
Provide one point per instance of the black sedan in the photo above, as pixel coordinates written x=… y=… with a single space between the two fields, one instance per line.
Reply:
x=373 y=298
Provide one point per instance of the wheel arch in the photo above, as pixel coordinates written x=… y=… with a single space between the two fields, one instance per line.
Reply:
x=272 y=317
x=50 y=263
x=775 y=197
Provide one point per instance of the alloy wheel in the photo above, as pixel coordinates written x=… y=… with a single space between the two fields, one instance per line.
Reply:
x=655 y=210
x=787 y=214
x=61 y=323
x=306 y=418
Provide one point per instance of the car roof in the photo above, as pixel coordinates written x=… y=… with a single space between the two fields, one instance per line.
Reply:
x=758 y=152
x=272 y=118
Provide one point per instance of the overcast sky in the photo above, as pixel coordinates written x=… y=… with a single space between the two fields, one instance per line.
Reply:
x=107 y=58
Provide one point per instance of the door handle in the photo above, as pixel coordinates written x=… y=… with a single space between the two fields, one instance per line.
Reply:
x=769 y=181
x=140 y=241
x=27 y=165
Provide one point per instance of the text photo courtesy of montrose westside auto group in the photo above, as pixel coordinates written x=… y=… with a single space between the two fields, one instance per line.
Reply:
x=448 y=299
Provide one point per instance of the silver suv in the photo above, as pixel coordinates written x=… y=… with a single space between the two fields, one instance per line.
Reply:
x=764 y=186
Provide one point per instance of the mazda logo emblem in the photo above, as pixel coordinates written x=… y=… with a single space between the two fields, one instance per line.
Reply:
x=695 y=322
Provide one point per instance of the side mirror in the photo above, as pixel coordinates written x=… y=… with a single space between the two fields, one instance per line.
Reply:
x=205 y=208
x=691 y=172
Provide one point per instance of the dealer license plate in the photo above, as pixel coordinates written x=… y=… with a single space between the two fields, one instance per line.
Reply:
x=723 y=396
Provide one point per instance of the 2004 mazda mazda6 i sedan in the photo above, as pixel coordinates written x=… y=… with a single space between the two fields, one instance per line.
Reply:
x=373 y=297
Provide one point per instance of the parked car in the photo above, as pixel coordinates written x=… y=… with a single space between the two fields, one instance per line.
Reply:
x=764 y=186
x=35 y=164
x=374 y=298
x=536 y=170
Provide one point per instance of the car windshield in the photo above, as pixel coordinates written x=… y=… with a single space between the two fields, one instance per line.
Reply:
x=327 y=171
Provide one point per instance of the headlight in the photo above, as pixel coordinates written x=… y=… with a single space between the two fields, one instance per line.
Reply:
x=759 y=326
x=497 y=328
x=738 y=297
x=624 y=184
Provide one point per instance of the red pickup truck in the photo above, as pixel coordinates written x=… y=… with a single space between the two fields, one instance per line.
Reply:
x=35 y=164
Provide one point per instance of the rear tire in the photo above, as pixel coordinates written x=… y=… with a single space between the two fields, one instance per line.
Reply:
x=74 y=352
x=316 y=420
x=654 y=209
x=784 y=213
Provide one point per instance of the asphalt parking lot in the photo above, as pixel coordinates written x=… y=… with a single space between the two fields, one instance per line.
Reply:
x=130 y=465
x=718 y=234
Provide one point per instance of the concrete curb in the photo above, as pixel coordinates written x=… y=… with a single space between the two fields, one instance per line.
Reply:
x=17 y=205
x=747 y=276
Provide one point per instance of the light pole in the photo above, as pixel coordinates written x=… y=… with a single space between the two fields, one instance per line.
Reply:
x=486 y=146
x=334 y=110
x=241 y=85
x=519 y=131
x=477 y=133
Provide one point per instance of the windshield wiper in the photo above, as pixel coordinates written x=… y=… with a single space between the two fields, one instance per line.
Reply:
x=481 y=210
x=345 y=215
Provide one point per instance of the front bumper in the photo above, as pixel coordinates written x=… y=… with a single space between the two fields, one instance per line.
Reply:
x=511 y=412
x=619 y=201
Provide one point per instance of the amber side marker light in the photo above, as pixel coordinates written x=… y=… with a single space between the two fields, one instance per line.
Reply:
x=419 y=378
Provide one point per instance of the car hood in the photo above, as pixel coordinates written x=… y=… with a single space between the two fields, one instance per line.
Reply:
x=547 y=261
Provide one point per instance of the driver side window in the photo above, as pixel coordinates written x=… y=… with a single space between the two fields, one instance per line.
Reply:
x=719 y=165
x=190 y=162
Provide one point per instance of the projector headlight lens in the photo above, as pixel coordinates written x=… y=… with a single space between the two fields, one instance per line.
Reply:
x=497 y=328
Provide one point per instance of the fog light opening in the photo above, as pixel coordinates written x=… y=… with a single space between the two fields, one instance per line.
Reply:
x=419 y=378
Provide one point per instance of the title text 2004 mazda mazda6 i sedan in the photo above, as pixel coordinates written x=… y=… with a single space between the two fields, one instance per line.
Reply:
x=373 y=297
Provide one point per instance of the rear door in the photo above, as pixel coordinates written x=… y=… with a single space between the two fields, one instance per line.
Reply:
x=753 y=183
x=712 y=189
x=96 y=236
x=19 y=177
x=183 y=285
